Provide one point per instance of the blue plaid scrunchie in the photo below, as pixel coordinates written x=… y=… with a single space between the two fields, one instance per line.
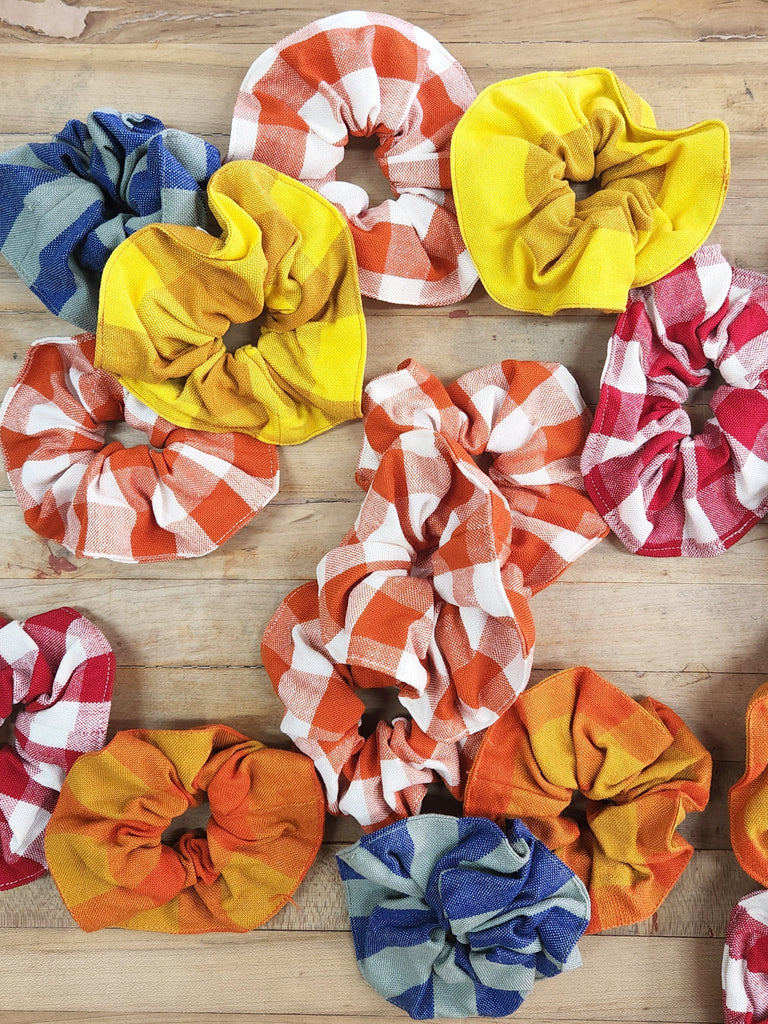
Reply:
x=65 y=205
x=453 y=918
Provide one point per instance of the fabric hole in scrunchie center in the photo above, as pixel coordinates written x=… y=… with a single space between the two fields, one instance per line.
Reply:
x=238 y=335
x=121 y=433
x=195 y=820
x=585 y=189
x=361 y=167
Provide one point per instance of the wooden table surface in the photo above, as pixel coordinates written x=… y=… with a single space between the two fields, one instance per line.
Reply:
x=186 y=634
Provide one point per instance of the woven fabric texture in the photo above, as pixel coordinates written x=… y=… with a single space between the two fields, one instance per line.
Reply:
x=65 y=205
x=56 y=671
x=662 y=490
x=638 y=766
x=365 y=74
x=453 y=918
x=104 y=840
x=429 y=591
x=745 y=962
x=179 y=496
x=169 y=294
x=748 y=798
x=540 y=249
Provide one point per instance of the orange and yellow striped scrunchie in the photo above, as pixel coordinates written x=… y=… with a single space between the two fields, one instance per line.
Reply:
x=169 y=293
x=748 y=798
x=637 y=764
x=104 y=842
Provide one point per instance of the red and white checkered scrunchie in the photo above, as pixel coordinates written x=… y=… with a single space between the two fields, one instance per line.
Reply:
x=57 y=669
x=429 y=591
x=180 y=498
x=745 y=961
x=358 y=73
x=662 y=491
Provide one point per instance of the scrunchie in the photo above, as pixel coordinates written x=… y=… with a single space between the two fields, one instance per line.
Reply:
x=169 y=294
x=180 y=496
x=359 y=73
x=638 y=765
x=56 y=669
x=745 y=961
x=539 y=249
x=104 y=841
x=429 y=590
x=662 y=491
x=66 y=204
x=451 y=918
x=748 y=798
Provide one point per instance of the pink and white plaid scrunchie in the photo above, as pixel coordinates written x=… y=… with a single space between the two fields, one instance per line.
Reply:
x=745 y=961
x=429 y=591
x=57 y=669
x=364 y=74
x=662 y=491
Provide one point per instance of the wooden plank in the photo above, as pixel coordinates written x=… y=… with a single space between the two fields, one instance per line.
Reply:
x=192 y=20
x=314 y=973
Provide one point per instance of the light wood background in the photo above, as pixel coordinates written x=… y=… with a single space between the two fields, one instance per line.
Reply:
x=186 y=634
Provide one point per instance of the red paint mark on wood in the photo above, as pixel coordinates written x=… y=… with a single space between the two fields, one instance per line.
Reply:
x=59 y=565
x=458 y=314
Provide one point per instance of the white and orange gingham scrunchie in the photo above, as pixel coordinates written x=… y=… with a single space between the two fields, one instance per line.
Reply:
x=429 y=591
x=359 y=73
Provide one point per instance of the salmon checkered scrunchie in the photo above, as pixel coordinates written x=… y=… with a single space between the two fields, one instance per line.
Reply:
x=662 y=491
x=745 y=961
x=638 y=766
x=65 y=205
x=180 y=496
x=56 y=669
x=365 y=74
x=113 y=868
x=429 y=590
x=169 y=294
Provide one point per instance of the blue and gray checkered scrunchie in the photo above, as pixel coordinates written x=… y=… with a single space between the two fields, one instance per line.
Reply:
x=67 y=203
x=453 y=918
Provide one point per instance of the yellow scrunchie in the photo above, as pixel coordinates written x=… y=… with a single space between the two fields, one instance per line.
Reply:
x=537 y=248
x=169 y=293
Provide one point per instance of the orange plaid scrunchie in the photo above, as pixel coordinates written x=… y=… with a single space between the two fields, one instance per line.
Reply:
x=638 y=766
x=104 y=841
x=429 y=590
x=748 y=798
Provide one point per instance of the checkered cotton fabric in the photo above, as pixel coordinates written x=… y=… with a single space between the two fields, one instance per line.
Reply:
x=748 y=798
x=113 y=868
x=56 y=670
x=429 y=591
x=65 y=205
x=638 y=765
x=745 y=961
x=179 y=496
x=365 y=74
x=453 y=918
x=663 y=491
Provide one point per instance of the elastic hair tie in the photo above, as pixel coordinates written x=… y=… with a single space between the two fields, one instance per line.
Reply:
x=112 y=867
x=365 y=74
x=537 y=247
x=745 y=961
x=663 y=491
x=179 y=496
x=56 y=670
x=68 y=203
x=170 y=293
x=639 y=767
x=452 y=918
x=429 y=591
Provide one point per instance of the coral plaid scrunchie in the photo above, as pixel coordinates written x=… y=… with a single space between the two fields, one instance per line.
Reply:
x=104 y=841
x=364 y=74
x=663 y=491
x=65 y=205
x=170 y=293
x=429 y=590
x=745 y=961
x=538 y=248
x=57 y=670
x=179 y=496
x=451 y=918
x=638 y=765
